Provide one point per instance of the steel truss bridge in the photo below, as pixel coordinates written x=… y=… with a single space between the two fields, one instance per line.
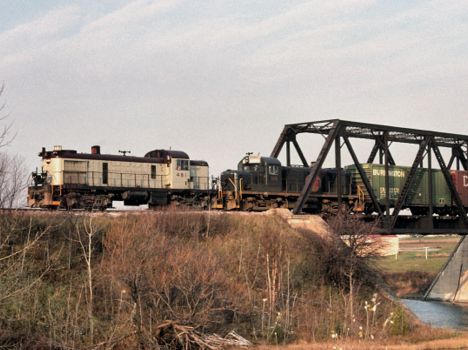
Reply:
x=340 y=133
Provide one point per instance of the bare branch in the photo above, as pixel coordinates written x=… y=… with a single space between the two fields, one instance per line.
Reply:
x=24 y=289
x=28 y=246
x=13 y=180
x=6 y=136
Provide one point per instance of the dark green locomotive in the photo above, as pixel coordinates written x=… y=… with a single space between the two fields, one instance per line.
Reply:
x=260 y=183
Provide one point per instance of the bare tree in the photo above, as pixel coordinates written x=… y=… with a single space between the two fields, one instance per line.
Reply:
x=13 y=180
x=351 y=257
x=86 y=233
x=13 y=174
x=6 y=135
x=14 y=246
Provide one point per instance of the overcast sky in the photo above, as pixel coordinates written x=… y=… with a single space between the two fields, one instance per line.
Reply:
x=221 y=78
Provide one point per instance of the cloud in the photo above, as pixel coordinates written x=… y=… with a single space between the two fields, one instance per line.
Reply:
x=16 y=43
x=160 y=69
x=362 y=51
x=133 y=13
x=335 y=41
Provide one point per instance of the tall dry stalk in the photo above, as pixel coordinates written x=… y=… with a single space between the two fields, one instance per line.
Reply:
x=90 y=231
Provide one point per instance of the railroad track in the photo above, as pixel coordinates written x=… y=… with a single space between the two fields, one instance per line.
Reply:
x=42 y=211
x=108 y=212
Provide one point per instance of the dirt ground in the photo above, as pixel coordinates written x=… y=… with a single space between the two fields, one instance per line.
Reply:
x=429 y=241
x=458 y=342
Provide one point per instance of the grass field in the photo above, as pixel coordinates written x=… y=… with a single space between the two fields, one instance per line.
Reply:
x=412 y=254
x=409 y=274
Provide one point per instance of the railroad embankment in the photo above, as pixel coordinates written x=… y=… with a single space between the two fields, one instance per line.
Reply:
x=69 y=281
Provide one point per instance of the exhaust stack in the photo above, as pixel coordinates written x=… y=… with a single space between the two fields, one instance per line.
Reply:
x=96 y=149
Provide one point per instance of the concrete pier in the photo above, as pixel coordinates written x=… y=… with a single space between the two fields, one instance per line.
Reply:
x=313 y=223
x=451 y=284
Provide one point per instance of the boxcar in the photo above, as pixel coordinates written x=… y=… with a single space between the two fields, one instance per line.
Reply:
x=460 y=179
x=418 y=195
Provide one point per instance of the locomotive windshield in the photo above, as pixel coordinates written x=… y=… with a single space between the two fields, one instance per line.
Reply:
x=251 y=168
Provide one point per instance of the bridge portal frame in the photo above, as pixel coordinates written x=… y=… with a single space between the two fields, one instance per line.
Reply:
x=340 y=132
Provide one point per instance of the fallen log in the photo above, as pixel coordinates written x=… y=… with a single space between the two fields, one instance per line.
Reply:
x=171 y=335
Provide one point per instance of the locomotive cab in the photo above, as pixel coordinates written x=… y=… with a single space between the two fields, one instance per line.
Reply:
x=255 y=177
x=263 y=173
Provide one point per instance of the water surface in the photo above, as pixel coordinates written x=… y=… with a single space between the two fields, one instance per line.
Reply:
x=439 y=314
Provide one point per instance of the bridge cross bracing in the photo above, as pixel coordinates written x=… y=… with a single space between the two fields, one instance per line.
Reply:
x=341 y=132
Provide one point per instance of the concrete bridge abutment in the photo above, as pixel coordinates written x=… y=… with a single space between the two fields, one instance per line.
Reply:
x=451 y=283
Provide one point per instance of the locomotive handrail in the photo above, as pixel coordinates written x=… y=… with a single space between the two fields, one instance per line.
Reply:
x=122 y=179
x=119 y=179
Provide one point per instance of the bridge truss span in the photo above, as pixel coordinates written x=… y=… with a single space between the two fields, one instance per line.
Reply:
x=341 y=133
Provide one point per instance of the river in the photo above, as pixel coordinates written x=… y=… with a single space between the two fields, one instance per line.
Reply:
x=439 y=314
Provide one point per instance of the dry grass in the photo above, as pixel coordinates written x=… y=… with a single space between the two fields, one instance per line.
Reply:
x=459 y=341
x=251 y=274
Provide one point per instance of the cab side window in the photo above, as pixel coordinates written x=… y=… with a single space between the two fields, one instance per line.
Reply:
x=182 y=164
x=273 y=169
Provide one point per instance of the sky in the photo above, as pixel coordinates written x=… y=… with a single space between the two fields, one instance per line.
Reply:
x=220 y=78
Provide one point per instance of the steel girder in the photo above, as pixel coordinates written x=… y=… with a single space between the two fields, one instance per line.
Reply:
x=334 y=130
x=448 y=179
x=315 y=168
x=409 y=180
x=380 y=147
x=288 y=136
x=364 y=178
x=371 y=131
x=459 y=155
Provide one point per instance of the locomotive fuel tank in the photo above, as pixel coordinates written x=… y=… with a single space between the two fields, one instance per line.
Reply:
x=135 y=197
